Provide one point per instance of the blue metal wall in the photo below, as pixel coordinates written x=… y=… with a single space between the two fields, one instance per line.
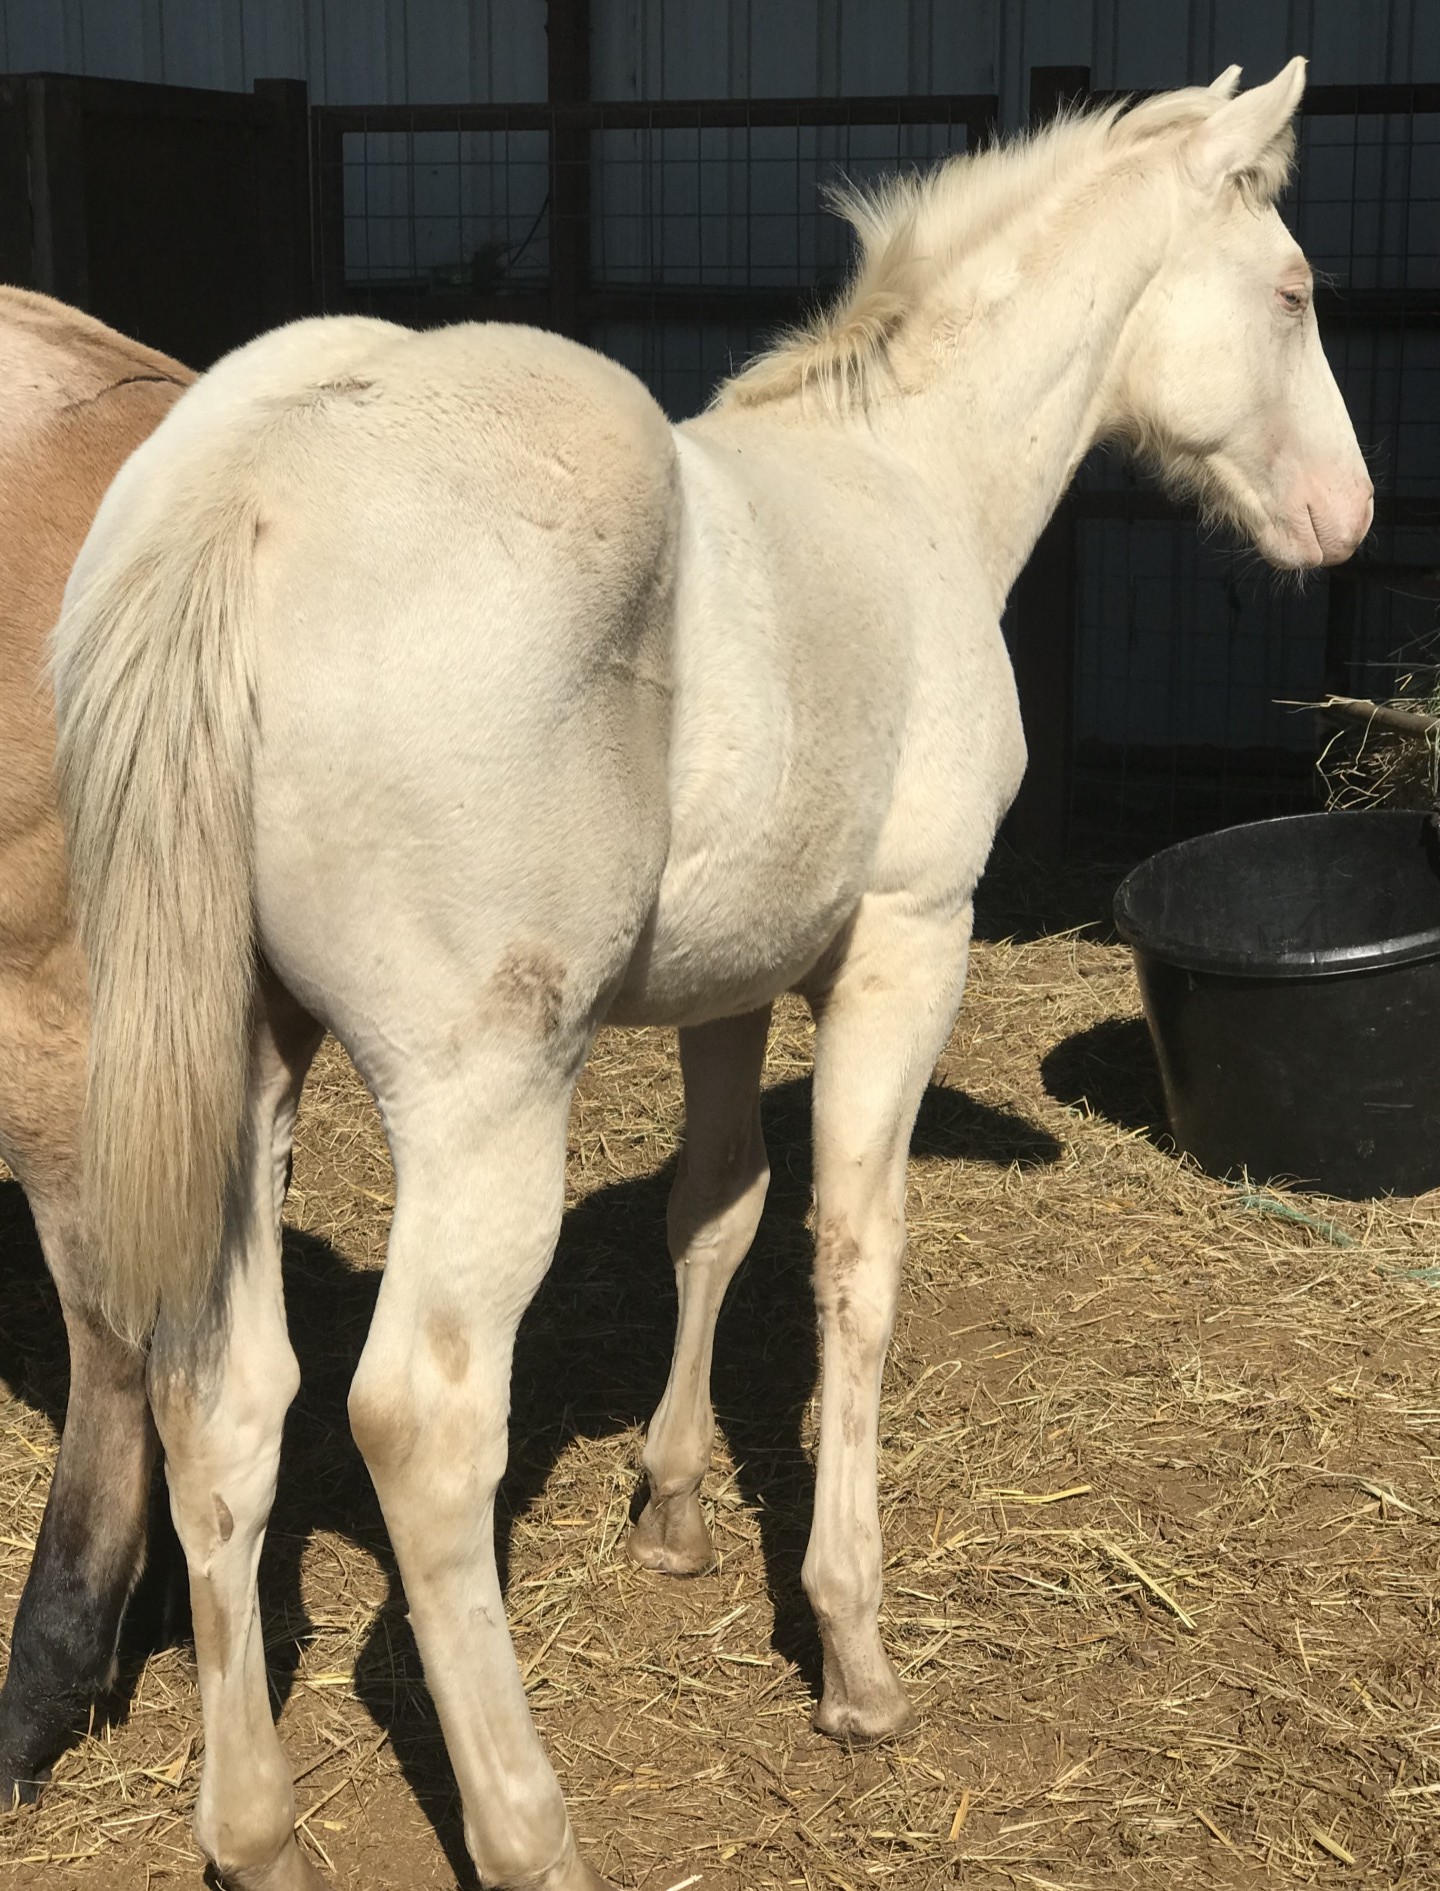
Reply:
x=426 y=51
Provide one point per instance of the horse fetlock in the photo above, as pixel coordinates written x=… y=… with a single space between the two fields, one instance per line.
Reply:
x=844 y=1596
x=62 y=1657
x=532 y=1826
x=34 y=1731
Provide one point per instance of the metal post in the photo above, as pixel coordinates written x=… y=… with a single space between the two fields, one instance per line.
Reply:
x=59 y=255
x=1040 y=630
x=1342 y=626
x=15 y=245
x=285 y=173
x=327 y=212
x=1040 y=619
x=568 y=27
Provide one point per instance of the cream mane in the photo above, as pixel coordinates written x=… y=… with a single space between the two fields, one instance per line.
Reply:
x=913 y=229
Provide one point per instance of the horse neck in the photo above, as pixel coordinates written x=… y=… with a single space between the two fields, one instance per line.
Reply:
x=1028 y=383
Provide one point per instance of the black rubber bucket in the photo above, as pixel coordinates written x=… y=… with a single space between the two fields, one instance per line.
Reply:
x=1290 y=971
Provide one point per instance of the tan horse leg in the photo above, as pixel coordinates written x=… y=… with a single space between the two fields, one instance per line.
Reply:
x=882 y=1023
x=92 y=1539
x=220 y=1401
x=91 y=1546
x=713 y=1213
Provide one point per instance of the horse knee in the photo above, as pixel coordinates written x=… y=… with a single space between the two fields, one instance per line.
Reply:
x=435 y=1421
x=383 y=1421
x=222 y=1444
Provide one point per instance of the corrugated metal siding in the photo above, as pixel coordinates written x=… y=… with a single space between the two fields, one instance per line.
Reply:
x=350 y=51
x=755 y=49
x=429 y=51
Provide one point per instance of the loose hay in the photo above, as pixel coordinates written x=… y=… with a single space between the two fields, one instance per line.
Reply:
x=1159 y=1475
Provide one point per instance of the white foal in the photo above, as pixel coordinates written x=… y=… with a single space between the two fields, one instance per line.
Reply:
x=487 y=705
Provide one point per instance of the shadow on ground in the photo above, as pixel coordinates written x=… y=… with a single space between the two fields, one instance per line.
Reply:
x=591 y=1360
x=1110 y=1071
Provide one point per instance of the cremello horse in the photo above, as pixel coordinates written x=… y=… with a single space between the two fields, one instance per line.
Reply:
x=489 y=706
x=75 y=398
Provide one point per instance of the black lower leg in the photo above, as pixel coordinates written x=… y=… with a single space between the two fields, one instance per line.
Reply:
x=90 y=1552
x=62 y=1658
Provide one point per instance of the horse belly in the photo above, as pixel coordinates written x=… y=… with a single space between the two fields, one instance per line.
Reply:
x=726 y=939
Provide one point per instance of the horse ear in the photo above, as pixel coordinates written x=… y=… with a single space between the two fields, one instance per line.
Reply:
x=1225 y=86
x=1241 y=134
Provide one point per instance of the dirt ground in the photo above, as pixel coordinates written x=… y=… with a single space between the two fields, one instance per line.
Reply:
x=1159 y=1480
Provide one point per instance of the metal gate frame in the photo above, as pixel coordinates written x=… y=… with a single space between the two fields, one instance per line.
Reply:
x=63 y=139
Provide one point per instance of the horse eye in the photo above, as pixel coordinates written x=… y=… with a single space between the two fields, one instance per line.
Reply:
x=1293 y=299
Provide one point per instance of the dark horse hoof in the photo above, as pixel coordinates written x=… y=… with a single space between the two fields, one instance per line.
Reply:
x=17 y=1788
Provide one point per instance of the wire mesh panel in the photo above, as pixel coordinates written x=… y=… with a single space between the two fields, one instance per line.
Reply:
x=440 y=212
x=715 y=236
x=705 y=222
x=427 y=222
x=677 y=236
x=1188 y=653
x=1368 y=209
x=1184 y=652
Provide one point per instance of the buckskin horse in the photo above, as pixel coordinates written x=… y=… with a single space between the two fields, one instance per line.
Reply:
x=75 y=399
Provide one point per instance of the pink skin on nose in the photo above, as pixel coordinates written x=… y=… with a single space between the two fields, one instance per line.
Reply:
x=1340 y=522
x=1328 y=524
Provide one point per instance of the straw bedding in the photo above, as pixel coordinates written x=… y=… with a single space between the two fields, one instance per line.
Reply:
x=1160 y=1480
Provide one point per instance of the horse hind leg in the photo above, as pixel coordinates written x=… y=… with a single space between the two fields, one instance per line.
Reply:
x=220 y=1394
x=91 y=1546
x=480 y=1168
x=714 y=1210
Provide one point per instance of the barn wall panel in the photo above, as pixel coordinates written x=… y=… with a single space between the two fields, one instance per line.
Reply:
x=119 y=42
x=274 y=39
x=359 y=51
x=36 y=37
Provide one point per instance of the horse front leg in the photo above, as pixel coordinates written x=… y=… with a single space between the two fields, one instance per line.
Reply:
x=91 y=1546
x=882 y=1022
x=714 y=1210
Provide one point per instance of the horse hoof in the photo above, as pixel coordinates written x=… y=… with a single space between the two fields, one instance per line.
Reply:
x=671 y=1538
x=587 y=1880
x=20 y=1789
x=850 y=1729
x=291 y=1871
x=865 y=1723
